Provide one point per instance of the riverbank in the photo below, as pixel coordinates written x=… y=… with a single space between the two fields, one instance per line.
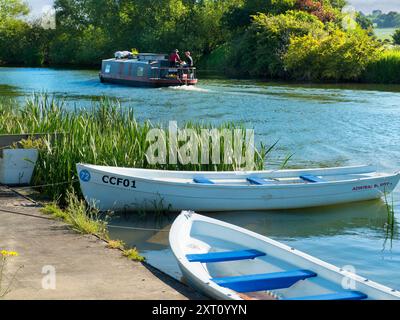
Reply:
x=85 y=268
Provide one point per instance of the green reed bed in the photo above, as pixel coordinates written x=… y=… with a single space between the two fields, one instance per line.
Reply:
x=390 y=225
x=385 y=69
x=105 y=134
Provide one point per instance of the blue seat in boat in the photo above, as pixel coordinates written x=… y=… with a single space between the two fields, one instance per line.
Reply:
x=311 y=178
x=201 y=180
x=257 y=181
x=225 y=256
x=261 y=282
x=350 y=295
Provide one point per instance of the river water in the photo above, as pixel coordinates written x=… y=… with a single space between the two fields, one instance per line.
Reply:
x=321 y=125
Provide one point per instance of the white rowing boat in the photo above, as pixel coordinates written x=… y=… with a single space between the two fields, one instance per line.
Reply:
x=227 y=262
x=115 y=189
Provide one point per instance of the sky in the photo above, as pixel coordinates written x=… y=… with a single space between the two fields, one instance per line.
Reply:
x=367 y=6
x=361 y=5
x=37 y=5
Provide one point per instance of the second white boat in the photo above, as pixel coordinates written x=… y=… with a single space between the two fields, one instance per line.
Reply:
x=116 y=189
x=227 y=262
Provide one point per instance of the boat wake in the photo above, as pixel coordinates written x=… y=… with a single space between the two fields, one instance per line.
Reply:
x=189 y=88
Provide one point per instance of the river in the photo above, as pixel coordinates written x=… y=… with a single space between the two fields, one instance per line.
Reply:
x=321 y=125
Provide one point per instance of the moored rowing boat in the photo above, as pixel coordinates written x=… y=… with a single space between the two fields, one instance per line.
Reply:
x=228 y=262
x=111 y=188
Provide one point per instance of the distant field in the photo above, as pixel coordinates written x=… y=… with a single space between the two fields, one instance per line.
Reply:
x=386 y=33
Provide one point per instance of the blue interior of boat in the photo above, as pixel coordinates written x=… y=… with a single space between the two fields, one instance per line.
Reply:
x=311 y=178
x=257 y=181
x=225 y=256
x=350 y=295
x=202 y=180
x=261 y=282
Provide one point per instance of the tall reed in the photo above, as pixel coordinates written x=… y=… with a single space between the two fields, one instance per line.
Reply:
x=104 y=134
x=385 y=69
x=390 y=225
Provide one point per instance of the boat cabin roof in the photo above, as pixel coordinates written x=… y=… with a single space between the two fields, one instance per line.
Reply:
x=152 y=56
x=142 y=57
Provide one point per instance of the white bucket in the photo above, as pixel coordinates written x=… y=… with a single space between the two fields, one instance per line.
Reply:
x=17 y=165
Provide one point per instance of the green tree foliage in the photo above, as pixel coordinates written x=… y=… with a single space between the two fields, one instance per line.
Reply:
x=337 y=4
x=239 y=17
x=12 y=9
x=364 y=22
x=258 y=52
x=337 y=55
x=396 y=37
x=385 y=20
x=20 y=42
x=91 y=29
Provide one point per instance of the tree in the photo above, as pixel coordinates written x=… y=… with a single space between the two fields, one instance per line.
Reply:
x=90 y=29
x=385 y=20
x=12 y=9
x=364 y=21
x=239 y=17
x=338 y=56
x=21 y=43
x=396 y=37
x=322 y=10
x=259 y=51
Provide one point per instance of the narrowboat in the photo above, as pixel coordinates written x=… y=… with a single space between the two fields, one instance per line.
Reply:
x=146 y=69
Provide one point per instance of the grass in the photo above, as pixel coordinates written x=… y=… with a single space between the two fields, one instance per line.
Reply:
x=79 y=216
x=385 y=69
x=105 y=134
x=116 y=244
x=86 y=221
x=133 y=255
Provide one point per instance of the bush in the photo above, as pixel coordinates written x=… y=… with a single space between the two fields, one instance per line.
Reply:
x=259 y=51
x=337 y=56
x=396 y=37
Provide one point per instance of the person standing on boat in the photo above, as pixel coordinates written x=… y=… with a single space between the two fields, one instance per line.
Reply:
x=175 y=59
x=188 y=60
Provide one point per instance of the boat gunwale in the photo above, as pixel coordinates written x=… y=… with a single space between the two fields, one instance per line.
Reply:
x=371 y=168
x=232 y=186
